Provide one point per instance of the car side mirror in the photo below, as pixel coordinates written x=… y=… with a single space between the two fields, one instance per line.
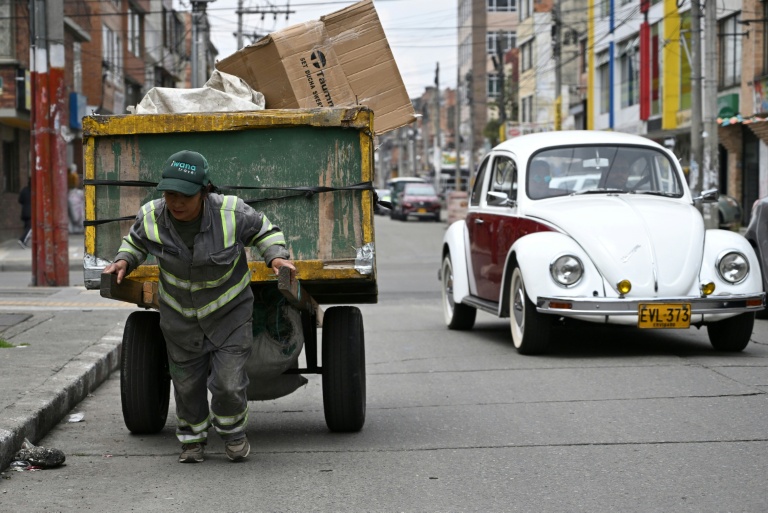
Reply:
x=707 y=196
x=499 y=199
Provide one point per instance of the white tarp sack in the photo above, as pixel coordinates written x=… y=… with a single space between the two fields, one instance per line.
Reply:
x=222 y=93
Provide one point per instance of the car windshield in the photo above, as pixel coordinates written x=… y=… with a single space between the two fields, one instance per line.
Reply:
x=602 y=169
x=420 y=190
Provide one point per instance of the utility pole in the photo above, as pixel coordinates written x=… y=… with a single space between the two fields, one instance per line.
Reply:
x=239 y=24
x=498 y=63
x=558 y=64
x=710 y=167
x=195 y=59
x=240 y=11
x=400 y=159
x=50 y=235
x=695 y=173
x=457 y=132
x=470 y=100
x=437 y=159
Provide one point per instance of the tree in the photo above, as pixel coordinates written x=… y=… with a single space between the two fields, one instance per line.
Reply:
x=491 y=131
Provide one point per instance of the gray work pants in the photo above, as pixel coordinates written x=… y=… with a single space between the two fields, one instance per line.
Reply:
x=227 y=381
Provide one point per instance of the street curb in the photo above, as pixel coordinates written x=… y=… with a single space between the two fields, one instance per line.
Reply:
x=43 y=408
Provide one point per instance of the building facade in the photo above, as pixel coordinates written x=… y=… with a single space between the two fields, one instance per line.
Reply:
x=114 y=52
x=640 y=79
x=487 y=30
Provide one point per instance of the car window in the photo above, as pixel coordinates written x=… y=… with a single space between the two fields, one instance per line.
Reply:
x=477 y=188
x=504 y=176
x=604 y=168
x=420 y=189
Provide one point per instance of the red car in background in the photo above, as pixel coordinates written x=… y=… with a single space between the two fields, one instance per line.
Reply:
x=417 y=200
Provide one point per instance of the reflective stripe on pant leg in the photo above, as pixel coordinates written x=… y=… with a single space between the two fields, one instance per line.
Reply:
x=228 y=383
x=189 y=389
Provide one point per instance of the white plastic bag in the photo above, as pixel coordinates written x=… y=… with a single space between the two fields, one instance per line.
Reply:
x=222 y=93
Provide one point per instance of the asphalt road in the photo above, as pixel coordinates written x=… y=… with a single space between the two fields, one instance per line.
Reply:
x=610 y=420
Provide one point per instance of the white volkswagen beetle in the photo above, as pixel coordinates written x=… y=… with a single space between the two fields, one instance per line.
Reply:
x=624 y=245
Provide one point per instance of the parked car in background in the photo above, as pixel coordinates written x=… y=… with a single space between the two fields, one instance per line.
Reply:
x=729 y=212
x=396 y=185
x=632 y=250
x=386 y=196
x=418 y=200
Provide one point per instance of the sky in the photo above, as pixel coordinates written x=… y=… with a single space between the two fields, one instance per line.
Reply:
x=421 y=33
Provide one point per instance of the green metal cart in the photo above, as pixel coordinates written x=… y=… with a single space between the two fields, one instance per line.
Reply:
x=309 y=171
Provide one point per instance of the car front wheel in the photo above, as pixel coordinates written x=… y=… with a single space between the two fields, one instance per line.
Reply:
x=732 y=334
x=530 y=329
x=457 y=316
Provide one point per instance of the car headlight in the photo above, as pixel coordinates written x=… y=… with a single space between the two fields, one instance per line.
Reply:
x=566 y=270
x=732 y=267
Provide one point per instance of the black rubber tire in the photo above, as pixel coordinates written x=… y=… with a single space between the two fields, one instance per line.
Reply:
x=457 y=316
x=732 y=334
x=531 y=330
x=145 y=383
x=343 y=363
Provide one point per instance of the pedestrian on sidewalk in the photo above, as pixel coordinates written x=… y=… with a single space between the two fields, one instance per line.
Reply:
x=25 y=198
x=206 y=304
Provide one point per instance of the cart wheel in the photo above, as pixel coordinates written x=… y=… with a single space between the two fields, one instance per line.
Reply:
x=343 y=368
x=145 y=384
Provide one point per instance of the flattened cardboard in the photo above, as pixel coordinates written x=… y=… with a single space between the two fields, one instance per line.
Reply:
x=341 y=60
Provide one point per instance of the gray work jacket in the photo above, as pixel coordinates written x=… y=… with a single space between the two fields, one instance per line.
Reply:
x=205 y=293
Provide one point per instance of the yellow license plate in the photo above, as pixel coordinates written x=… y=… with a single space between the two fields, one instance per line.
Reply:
x=664 y=315
x=422 y=211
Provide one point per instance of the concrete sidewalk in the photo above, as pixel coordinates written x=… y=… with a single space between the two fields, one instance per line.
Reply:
x=61 y=343
x=15 y=258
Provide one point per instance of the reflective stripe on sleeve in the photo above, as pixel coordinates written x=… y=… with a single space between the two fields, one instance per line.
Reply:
x=270 y=240
x=228 y=220
x=150 y=222
x=128 y=246
x=266 y=227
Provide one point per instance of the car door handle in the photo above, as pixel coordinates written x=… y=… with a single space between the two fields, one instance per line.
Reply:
x=479 y=221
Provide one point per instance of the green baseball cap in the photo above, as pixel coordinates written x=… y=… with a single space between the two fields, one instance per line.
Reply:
x=185 y=172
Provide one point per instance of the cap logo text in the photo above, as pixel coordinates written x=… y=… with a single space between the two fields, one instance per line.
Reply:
x=183 y=166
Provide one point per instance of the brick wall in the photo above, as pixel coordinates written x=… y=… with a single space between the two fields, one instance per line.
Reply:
x=8 y=96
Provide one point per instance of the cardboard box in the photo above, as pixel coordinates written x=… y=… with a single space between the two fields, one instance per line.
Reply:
x=341 y=60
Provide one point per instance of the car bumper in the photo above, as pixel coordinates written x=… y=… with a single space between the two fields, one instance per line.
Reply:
x=416 y=213
x=572 y=307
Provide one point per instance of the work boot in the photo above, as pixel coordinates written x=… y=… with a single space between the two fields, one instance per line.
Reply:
x=238 y=449
x=192 y=453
